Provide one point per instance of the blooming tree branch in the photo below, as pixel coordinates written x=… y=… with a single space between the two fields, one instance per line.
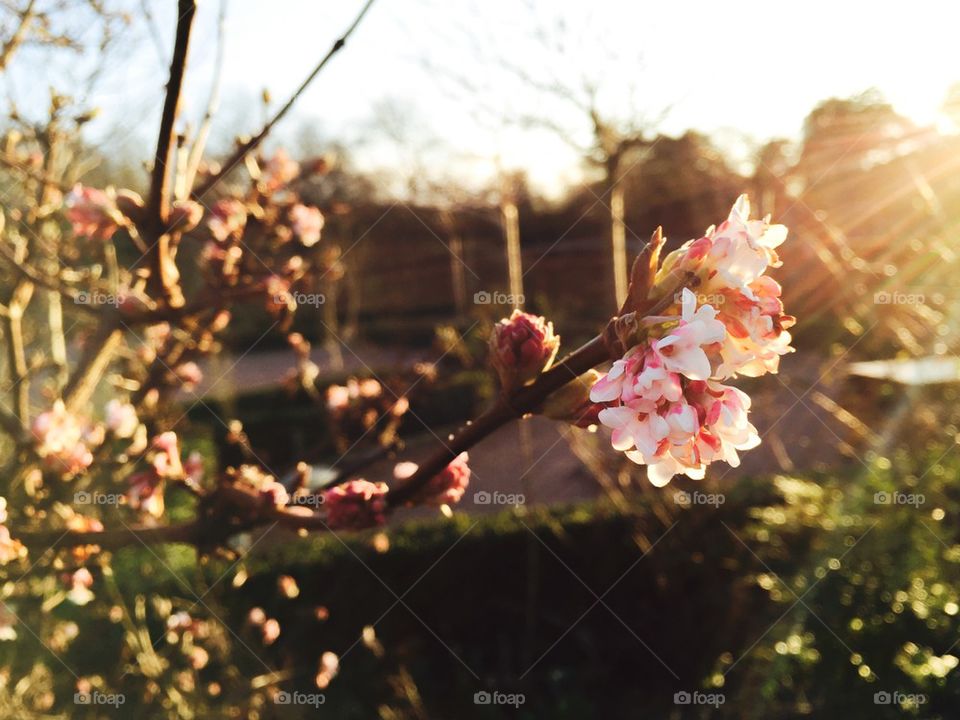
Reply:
x=663 y=398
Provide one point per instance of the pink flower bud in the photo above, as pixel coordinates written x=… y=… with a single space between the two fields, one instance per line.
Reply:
x=279 y=171
x=166 y=462
x=92 y=213
x=146 y=493
x=521 y=348
x=307 y=222
x=446 y=487
x=227 y=218
x=449 y=485
x=193 y=467
x=121 y=418
x=190 y=374
x=62 y=439
x=355 y=505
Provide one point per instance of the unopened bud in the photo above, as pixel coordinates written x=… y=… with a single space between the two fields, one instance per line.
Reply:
x=521 y=347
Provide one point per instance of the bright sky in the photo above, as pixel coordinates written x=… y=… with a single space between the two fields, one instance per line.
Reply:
x=750 y=68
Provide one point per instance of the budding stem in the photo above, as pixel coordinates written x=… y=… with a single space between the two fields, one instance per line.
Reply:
x=517 y=404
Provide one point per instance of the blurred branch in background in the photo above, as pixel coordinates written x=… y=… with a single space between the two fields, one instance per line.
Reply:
x=248 y=146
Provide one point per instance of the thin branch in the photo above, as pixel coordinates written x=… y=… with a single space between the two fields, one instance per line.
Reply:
x=16 y=352
x=253 y=143
x=164 y=275
x=93 y=363
x=115 y=537
x=159 y=197
x=213 y=103
x=16 y=39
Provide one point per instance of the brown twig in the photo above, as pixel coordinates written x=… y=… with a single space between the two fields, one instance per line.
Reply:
x=525 y=400
x=17 y=358
x=27 y=16
x=93 y=363
x=213 y=104
x=114 y=538
x=164 y=275
x=159 y=198
x=253 y=143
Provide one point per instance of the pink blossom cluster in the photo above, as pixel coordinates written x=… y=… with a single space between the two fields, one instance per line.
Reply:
x=10 y=549
x=728 y=264
x=664 y=400
x=306 y=222
x=92 y=213
x=145 y=489
x=63 y=440
x=279 y=171
x=228 y=217
x=360 y=504
x=121 y=418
